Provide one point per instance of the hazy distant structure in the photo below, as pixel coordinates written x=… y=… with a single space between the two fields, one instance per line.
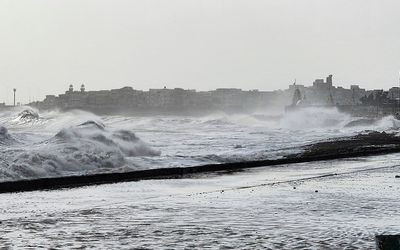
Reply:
x=320 y=83
x=162 y=100
x=394 y=93
x=180 y=101
x=331 y=101
x=324 y=93
x=357 y=101
x=296 y=97
x=329 y=80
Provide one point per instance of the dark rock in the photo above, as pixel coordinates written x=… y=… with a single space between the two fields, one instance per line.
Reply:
x=372 y=143
x=387 y=242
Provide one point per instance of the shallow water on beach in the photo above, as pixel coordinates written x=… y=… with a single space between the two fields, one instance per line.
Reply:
x=259 y=208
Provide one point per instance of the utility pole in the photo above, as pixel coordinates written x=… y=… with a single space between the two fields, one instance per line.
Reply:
x=397 y=107
x=14 y=95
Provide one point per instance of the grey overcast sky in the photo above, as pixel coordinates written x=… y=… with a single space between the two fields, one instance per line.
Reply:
x=45 y=45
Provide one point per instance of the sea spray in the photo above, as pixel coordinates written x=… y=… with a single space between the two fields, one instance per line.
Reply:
x=74 y=150
x=78 y=142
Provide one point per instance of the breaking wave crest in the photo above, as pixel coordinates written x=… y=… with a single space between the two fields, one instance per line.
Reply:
x=92 y=133
x=28 y=114
x=88 y=147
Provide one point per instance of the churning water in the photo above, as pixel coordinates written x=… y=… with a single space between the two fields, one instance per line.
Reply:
x=258 y=208
x=54 y=143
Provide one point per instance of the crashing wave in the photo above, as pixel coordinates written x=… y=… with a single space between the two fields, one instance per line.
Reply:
x=98 y=124
x=122 y=141
x=387 y=123
x=28 y=114
x=82 y=149
x=361 y=122
x=314 y=118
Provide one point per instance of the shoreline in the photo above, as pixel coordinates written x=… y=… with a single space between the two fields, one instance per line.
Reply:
x=362 y=145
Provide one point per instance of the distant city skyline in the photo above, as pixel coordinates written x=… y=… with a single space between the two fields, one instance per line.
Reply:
x=46 y=45
x=29 y=97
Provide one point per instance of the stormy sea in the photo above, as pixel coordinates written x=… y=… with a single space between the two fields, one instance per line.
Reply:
x=334 y=204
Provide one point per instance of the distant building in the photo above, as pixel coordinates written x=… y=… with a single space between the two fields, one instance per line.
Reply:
x=321 y=84
x=394 y=93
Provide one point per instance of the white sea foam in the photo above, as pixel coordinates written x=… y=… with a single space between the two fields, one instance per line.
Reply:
x=78 y=149
x=77 y=142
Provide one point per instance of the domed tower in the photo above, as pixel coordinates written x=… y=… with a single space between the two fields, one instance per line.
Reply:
x=71 y=88
x=83 y=88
